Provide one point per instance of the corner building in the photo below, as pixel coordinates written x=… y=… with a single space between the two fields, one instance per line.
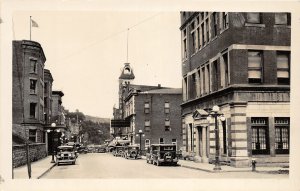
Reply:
x=240 y=62
x=28 y=90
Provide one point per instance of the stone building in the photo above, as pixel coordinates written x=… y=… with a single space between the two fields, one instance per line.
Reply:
x=240 y=62
x=28 y=90
x=48 y=81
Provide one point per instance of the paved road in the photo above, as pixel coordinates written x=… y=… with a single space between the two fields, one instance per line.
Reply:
x=103 y=165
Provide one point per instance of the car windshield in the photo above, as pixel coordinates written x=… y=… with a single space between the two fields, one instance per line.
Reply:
x=168 y=148
x=65 y=149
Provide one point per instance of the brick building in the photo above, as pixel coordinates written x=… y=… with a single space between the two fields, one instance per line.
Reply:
x=28 y=90
x=240 y=62
x=156 y=112
x=153 y=109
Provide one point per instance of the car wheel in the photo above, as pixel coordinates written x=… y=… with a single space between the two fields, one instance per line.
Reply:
x=57 y=164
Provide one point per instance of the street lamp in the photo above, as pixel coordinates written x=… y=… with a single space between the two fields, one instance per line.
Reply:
x=215 y=113
x=140 y=133
x=53 y=125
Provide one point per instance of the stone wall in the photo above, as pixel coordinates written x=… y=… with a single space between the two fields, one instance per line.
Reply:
x=37 y=151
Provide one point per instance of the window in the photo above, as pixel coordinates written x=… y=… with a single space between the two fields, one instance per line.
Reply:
x=192 y=86
x=33 y=66
x=147 y=143
x=260 y=139
x=225 y=23
x=207 y=30
x=254 y=67
x=167 y=107
x=253 y=18
x=174 y=142
x=203 y=36
x=282 y=127
x=147 y=125
x=207 y=78
x=32 y=110
x=282 y=19
x=161 y=141
x=185 y=89
x=32 y=135
x=194 y=38
x=184 y=44
x=202 y=77
x=198 y=33
x=33 y=86
x=216 y=76
x=283 y=68
x=224 y=70
x=147 y=107
x=167 y=125
x=215 y=24
x=45 y=87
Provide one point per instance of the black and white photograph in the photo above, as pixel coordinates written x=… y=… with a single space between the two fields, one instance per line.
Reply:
x=104 y=95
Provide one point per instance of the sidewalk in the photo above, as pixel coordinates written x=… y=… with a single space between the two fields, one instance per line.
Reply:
x=209 y=168
x=38 y=169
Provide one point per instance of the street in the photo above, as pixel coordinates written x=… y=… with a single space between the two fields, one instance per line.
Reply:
x=104 y=165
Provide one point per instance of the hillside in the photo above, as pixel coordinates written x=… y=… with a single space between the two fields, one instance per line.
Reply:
x=97 y=119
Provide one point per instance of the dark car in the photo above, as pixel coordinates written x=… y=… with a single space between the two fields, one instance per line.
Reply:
x=65 y=154
x=132 y=151
x=118 y=151
x=162 y=154
x=82 y=149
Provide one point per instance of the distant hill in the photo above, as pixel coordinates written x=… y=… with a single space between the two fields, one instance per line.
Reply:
x=97 y=119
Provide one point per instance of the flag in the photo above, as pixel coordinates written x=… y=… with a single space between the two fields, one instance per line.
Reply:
x=34 y=24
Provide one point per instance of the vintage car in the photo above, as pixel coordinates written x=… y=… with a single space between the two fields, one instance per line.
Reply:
x=118 y=151
x=82 y=149
x=132 y=151
x=162 y=154
x=65 y=154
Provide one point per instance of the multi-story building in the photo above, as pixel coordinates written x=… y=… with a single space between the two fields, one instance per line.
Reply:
x=153 y=109
x=57 y=108
x=240 y=62
x=156 y=112
x=48 y=81
x=28 y=90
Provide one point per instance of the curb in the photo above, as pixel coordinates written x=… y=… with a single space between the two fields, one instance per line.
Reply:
x=249 y=170
x=212 y=171
x=46 y=171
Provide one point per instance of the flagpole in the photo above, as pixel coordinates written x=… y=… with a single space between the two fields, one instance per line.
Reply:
x=30 y=27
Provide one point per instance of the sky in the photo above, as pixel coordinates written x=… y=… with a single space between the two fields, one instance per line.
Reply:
x=86 y=50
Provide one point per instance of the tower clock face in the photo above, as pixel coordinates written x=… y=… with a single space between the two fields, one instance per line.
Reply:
x=127 y=71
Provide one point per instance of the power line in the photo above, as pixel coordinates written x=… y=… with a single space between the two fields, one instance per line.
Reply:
x=109 y=37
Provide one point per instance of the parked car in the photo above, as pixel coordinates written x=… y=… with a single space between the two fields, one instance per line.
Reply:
x=65 y=154
x=132 y=151
x=118 y=151
x=82 y=149
x=162 y=154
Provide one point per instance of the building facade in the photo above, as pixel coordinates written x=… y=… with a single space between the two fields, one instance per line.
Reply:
x=240 y=62
x=156 y=113
x=28 y=90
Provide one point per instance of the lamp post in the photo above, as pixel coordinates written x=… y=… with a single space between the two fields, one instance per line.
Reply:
x=215 y=113
x=53 y=125
x=140 y=134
